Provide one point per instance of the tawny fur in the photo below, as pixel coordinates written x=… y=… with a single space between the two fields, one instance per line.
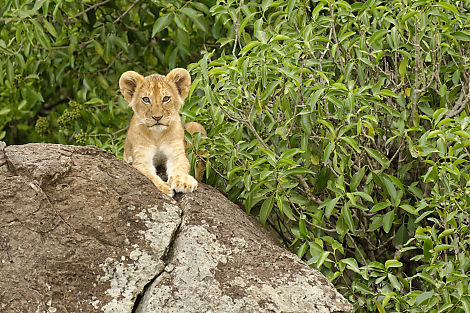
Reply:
x=156 y=135
x=194 y=127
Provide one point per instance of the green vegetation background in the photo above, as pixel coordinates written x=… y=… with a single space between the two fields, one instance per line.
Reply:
x=343 y=125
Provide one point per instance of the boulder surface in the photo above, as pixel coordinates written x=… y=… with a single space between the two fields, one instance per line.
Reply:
x=82 y=231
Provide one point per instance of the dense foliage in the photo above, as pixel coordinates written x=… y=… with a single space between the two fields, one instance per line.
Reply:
x=342 y=125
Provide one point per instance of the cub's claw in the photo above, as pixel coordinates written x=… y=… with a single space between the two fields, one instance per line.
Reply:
x=182 y=183
x=166 y=189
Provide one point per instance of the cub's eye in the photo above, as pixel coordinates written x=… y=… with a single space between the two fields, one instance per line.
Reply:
x=146 y=100
x=165 y=99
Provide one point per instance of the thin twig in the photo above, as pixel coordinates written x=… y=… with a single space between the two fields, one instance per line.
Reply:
x=416 y=91
x=92 y=7
x=297 y=100
x=237 y=24
x=110 y=135
x=306 y=188
x=334 y=33
x=127 y=11
x=327 y=230
x=7 y=20
x=86 y=43
x=461 y=102
x=357 y=249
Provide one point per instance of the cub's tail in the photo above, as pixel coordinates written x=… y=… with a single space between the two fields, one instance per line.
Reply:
x=194 y=127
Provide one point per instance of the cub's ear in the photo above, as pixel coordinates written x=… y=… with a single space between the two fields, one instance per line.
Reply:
x=180 y=77
x=128 y=83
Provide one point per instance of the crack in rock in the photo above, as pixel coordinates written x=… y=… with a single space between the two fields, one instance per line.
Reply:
x=165 y=258
x=129 y=277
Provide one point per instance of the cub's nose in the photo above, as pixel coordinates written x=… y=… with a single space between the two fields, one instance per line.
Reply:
x=157 y=118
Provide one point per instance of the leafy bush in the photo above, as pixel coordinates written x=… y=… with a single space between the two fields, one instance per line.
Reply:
x=343 y=125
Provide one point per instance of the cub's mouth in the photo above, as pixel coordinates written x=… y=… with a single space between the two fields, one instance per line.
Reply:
x=157 y=124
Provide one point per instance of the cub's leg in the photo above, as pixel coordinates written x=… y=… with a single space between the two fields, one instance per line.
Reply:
x=194 y=127
x=177 y=168
x=143 y=162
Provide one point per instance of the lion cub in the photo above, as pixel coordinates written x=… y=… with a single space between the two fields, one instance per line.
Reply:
x=156 y=136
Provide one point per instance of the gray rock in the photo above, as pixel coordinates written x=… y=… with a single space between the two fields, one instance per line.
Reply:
x=82 y=231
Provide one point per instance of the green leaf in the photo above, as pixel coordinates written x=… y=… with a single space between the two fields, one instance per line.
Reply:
x=268 y=92
x=98 y=48
x=249 y=46
x=347 y=216
x=462 y=35
x=327 y=152
x=200 y=22
x=351 y=264
x=394 y=281
x=425 y=276
x=50 y=28
x=377 y=221
x=442 y=247
x=5 y=111
x=179 y=22
x=392 y=263
x=118 y=41
x=427 y=247
x=424 y=296
x=446 y=233
x=462 y=133
x=328 y=125
x=280 y=37
x=466 y=304
x=302 y=249
x=388 y=93
x=295 y=171
x=388 y=221
x=448 y=6
x=162 y=22
x=380 y=307
x=302 y=229
x=322 y=258
x=265 y=210
x=386 y=299
x=357 y=178
x=290 y=8
x=379 y=157
x=201 y=7
x=439 y=113
x=408 y=208
x=380 y=206
x=401 y=236
x=284 y=207
x=329 y=206
x=189 y=11
x=364 y=196
x=390 y=188
x=402 y=68
x=290 y=153
x=40 y=35
x=352 y=143
x=378 y=35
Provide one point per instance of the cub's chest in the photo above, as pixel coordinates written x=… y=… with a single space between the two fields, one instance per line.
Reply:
x=160 y=155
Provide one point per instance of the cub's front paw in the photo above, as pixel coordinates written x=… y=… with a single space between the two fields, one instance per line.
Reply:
x=166 y=189
x=182 y=183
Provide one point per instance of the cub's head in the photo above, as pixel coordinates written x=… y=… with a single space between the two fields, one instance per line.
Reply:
x=156 y=99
